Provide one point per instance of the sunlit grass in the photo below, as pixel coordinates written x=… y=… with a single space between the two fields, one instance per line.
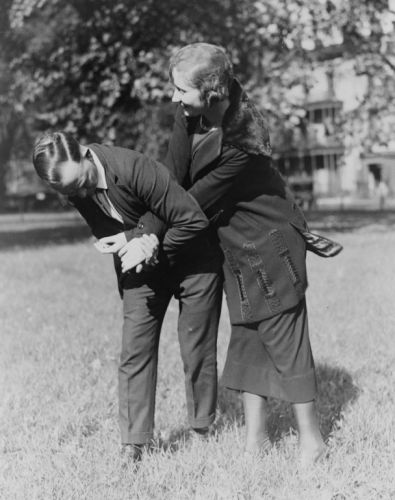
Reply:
x=60 y=340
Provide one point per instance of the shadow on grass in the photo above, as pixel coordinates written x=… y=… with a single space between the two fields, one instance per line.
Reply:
x=43 y=236
x=335 y=390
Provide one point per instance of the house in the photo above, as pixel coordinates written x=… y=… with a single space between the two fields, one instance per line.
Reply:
x=327 y=159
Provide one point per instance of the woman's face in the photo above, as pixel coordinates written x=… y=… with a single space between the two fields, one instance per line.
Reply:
x=188 y=96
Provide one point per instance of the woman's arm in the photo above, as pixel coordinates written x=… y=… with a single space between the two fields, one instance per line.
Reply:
x=208 y=190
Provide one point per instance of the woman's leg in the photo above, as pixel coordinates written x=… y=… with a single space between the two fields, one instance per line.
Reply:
x=310 y=439
x=286 y=339
x=257 y=438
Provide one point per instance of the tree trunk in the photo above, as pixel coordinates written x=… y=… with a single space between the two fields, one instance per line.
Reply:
x=7 y=139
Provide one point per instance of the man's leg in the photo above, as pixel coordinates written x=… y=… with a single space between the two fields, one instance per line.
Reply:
x=144 y=309
x=200 y=297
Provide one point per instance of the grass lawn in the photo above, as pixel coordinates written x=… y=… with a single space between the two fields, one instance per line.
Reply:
x=60 y=328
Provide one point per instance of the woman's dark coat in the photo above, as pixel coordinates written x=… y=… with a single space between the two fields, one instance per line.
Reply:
x=259 y=225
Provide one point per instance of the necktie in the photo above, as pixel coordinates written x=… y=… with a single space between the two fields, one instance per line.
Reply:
x=100 y=197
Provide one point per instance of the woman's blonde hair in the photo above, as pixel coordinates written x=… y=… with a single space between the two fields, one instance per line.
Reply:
x=206 y=67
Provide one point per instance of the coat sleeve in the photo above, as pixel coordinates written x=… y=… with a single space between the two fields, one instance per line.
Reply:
x=168 y=201
x=208 y=190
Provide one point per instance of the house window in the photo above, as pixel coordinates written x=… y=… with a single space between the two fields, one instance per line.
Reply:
x=317 y=116
x=319 y=161
x=307 y=166
x=375 y=170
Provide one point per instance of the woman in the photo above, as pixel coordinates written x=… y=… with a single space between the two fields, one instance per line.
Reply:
x=220 y=152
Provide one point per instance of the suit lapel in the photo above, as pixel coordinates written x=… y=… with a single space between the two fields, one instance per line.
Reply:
x=118 y=165
x=111 y=175
x=116 y=194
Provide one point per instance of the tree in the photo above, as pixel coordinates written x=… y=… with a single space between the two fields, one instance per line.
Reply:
x=99 y=67
x=14 y=101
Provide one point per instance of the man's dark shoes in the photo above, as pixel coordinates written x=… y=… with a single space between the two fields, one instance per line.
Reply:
x=132 y=453
x=200 y=433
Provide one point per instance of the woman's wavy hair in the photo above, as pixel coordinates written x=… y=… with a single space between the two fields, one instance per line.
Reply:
x=206 y=67
x=50 y=150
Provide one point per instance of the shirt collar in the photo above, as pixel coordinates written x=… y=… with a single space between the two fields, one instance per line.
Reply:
x=101 y=175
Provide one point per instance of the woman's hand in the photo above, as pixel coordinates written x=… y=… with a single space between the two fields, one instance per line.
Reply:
x=138 y=251
x=111 y=244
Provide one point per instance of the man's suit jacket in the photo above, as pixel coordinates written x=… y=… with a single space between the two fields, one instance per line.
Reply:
x=136 y=184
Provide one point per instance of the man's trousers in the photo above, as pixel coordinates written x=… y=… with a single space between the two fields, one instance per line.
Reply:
x=199 y=296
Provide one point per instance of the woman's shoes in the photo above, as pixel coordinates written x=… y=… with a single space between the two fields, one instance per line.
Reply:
x=260 y=450
x=313 y=456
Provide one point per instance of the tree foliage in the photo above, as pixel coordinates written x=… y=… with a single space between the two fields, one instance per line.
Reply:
x=99 y=67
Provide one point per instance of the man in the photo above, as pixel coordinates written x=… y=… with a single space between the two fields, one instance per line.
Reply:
x=112 y=188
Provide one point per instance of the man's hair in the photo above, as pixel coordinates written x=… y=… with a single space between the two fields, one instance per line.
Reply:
x=206 y=67
x=50 y=150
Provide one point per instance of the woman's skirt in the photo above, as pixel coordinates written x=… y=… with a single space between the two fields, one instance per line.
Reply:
x=273 y=357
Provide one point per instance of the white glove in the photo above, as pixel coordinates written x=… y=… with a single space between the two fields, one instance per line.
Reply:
x=138 y=251
x=111 y=244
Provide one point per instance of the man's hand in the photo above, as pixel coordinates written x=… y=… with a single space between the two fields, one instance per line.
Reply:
x=111 y=244
x=138 y=251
